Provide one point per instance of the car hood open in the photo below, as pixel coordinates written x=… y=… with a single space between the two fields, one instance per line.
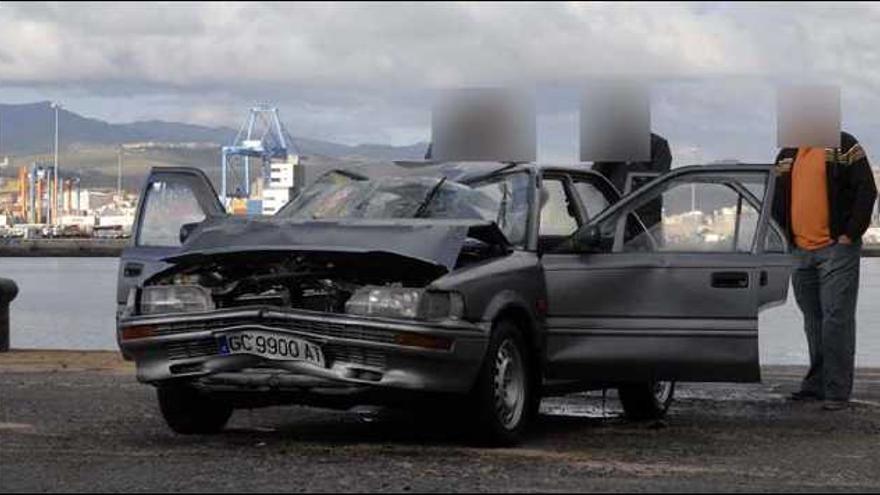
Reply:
x=433 y=241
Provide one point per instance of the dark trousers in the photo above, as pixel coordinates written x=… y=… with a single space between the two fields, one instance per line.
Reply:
x=826 y=285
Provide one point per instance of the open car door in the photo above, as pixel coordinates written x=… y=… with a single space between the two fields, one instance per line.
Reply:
x=171 y=197
x=675 y=300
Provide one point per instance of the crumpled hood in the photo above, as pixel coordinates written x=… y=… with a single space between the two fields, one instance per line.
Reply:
x=433 y=241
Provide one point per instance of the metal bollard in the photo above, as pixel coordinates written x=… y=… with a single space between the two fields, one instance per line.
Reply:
x=8 y=291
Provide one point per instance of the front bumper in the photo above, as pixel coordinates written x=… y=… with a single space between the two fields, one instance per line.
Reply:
x=361 y=352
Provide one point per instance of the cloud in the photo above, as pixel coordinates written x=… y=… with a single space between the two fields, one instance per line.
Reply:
x=421 y=44
x=359 y=72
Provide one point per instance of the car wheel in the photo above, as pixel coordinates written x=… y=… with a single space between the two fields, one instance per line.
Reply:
x=188 y=411
x=644 y=401
x=504 y=393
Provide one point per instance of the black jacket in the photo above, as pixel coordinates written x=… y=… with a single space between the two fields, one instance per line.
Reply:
x=851 y=188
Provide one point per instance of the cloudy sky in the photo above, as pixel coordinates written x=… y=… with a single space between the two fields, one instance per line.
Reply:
x=366 y=72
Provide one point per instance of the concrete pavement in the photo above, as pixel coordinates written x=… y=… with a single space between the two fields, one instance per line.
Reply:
x=80 y=422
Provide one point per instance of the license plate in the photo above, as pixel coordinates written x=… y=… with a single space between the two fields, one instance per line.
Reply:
x=271 y=345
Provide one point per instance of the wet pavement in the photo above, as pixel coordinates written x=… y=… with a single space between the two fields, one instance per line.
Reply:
x=84 y=424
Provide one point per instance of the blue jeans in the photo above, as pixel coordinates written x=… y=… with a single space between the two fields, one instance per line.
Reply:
x=826 y=286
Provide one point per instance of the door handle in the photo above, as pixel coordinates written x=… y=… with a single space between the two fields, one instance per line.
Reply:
x=730 y=280
x=764 y=279
x=132 y=270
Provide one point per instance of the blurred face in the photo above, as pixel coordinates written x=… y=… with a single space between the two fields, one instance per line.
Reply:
x=808 y=116
x=615 y=123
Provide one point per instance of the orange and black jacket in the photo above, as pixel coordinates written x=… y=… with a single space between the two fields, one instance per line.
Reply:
x=851 y=188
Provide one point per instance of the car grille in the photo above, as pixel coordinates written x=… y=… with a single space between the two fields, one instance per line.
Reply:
x=357 y=355
x=192 y=349
x=330 y=329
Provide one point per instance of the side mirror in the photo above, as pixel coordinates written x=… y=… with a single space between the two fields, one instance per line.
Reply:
x=590 y=238
x=186 y=230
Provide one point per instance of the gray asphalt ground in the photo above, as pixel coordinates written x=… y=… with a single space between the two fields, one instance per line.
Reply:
x=89 y=426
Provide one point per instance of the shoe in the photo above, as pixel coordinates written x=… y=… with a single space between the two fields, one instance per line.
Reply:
x=802 y=395
x=835 y=405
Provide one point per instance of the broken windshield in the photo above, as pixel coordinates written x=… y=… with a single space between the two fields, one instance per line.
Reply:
x=503 y=200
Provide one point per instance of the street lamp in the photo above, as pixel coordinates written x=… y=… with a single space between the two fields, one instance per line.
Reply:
x=119 y=173
x=56 y=106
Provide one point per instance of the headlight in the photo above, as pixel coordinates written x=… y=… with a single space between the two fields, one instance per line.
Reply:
x=400 y=302
x=159 y=299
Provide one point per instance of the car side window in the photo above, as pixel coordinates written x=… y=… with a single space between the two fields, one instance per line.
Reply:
x=508 y=205
x=773 y=242
x=558 y=210
x=592 y=198
x=698 y=217
x=168 y=205
x=699 y=213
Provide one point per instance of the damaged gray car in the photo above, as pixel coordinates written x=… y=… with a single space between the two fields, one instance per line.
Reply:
x=489 y=284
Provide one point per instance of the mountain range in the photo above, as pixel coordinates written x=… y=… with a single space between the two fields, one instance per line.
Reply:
x=27 y=129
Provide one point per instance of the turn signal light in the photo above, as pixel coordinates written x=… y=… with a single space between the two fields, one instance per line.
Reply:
x=138 y=332
x=424 y=341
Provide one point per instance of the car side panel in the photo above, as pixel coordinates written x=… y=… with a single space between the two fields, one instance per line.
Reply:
x=774 y=280
x=493 y=287
x=620 y=317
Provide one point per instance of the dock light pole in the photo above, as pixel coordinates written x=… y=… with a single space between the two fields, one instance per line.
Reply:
x=56 y=106
x=119 y=174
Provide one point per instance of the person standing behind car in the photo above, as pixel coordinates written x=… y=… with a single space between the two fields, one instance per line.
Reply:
x=824 y=200
x=617 y=173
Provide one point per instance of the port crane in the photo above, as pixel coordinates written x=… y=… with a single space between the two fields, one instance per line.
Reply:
x=261 y=136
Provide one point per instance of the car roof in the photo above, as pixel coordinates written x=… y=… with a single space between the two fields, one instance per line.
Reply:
x=463 y=172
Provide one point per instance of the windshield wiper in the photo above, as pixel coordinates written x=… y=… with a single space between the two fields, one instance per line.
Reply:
x=428 y=198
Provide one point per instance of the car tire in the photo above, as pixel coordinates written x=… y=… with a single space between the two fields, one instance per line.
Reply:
x=646 y=401
x=190 y=412
x=504 y=396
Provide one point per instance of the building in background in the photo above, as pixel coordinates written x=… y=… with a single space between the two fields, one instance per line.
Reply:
x=283 y=179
